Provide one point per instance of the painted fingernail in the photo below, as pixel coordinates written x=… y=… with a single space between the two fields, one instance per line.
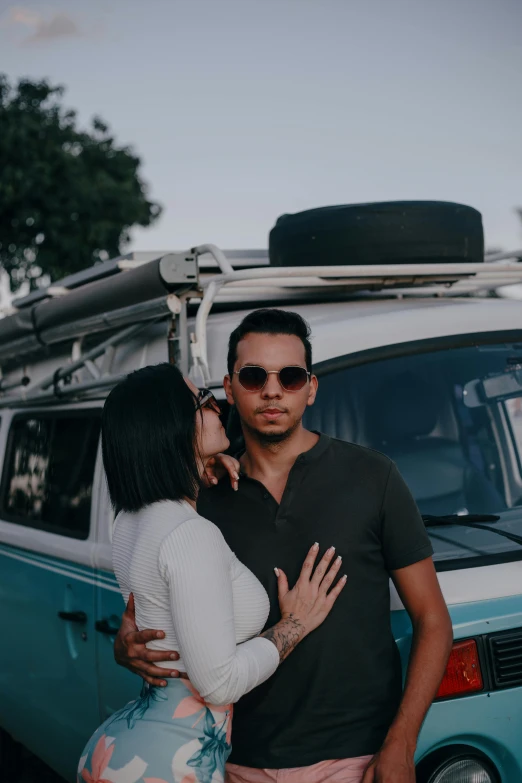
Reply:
x=163 y=684
x=344 y=578
x=173 y=657
x=338 y=559
x=174 y=674
x=315 y=546
x=159 y=635
x=276 y=571
x=332 y=549
x=214 y=481
x=236 y=476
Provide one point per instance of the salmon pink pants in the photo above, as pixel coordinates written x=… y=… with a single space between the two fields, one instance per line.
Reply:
x=336 y=771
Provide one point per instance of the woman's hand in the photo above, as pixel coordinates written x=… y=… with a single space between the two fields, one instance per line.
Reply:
x=311 y=599
x=307 y=604
x=219 y=466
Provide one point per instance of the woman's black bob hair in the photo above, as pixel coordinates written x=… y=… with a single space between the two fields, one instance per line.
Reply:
x=149 y=439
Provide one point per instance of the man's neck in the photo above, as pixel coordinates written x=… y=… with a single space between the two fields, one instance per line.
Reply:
x=268 y=462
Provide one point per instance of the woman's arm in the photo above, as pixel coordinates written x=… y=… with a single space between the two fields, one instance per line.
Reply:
x=195 y=563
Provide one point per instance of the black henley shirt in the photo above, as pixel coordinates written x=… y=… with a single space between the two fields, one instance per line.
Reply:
x=336 y=695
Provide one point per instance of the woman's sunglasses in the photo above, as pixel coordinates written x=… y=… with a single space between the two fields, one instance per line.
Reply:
x=206 y=399
x=254 y=378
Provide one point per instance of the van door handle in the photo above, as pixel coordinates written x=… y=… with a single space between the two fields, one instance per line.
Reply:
x=103 y=626
x=73 y=617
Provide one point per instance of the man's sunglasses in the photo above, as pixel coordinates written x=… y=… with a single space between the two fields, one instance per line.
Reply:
x=254 y=378
x=206 y=399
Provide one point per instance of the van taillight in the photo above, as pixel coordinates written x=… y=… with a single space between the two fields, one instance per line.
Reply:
x=463 y=673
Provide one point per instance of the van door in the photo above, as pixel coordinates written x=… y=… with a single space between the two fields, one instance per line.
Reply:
x=47 y=588
x=116 y=685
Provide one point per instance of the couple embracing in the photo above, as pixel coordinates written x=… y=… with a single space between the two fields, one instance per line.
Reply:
x=269 y=587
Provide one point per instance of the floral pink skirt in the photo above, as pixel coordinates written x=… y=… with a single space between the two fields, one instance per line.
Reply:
x=168 y=735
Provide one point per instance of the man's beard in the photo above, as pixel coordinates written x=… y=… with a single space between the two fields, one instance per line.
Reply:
x=267 y=438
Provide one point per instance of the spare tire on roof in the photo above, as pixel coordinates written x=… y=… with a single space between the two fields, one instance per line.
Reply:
x=390 y=232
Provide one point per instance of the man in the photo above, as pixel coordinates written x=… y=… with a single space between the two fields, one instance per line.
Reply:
x=337 y=703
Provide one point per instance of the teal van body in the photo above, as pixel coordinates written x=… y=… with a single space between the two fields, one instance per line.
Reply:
x=52 y=708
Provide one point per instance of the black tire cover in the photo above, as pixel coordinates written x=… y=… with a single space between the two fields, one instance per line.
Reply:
x=390 y=232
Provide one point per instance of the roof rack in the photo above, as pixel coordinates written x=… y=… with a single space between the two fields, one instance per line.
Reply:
x=129 y=293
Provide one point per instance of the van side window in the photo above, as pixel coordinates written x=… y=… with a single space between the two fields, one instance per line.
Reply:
x=49 y=469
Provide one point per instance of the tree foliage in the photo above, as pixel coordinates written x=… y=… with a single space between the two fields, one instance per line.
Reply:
x=68 y=197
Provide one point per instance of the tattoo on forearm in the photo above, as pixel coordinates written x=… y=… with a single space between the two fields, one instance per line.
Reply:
x=285 y=635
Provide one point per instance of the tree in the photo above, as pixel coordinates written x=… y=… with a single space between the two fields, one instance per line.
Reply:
x=67 y=197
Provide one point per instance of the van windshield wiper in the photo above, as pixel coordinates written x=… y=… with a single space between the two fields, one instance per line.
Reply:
x=433 y=520
x=474 y=521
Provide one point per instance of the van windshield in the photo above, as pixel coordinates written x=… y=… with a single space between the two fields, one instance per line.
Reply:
x=452 y=421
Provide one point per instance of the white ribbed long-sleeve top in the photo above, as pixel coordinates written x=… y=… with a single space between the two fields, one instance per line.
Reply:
x=188 y=583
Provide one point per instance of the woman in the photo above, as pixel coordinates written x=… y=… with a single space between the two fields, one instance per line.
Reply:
x=158 y=435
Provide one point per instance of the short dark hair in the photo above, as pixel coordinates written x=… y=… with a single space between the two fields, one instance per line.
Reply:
x=270 y=320
x=149 y=439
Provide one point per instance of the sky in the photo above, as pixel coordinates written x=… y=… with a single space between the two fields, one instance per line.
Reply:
x=242 y=110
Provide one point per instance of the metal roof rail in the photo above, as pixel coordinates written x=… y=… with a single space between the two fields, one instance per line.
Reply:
x=221 y=259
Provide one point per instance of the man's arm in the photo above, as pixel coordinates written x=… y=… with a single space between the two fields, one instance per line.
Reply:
x=420 y=593
x=130 y=650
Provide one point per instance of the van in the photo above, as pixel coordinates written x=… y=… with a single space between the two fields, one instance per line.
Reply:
x=421 y=360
